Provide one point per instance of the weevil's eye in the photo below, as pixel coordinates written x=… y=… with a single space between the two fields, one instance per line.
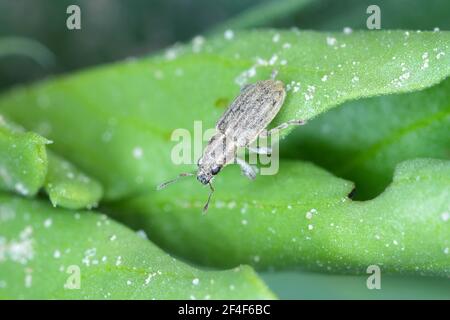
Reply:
x=203 y=178
x=215 y=170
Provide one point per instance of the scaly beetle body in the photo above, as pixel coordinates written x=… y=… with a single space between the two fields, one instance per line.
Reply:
x=248 y=115
x=242 y=123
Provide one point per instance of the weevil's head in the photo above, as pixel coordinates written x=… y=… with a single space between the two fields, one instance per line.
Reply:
x=207 y=172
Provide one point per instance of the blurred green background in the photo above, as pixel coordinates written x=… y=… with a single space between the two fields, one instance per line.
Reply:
x=111 y=30
x=35 y=43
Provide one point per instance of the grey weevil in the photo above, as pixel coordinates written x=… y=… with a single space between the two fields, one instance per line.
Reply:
x=243 y=122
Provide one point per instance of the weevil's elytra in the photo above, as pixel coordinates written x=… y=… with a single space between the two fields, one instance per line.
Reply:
x=252 y=111
x=245 y=119
x=240 y=125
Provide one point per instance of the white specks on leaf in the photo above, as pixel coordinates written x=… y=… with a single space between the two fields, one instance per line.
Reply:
x=142 y=234
x=310 y=213
x=309 y=95
x=88 y=255
x=171 y=53
x=231 y=205
x=426 y=61
x=48 y=223
x=19 y=251
x=150 y=276
x=243 y=78
x=331 y=41
x=398 y=82
x=261 y=62
x=294 y=86
x=21 y=189
x=276 y=37
x=138 y=153
x=273 y=59
x=355 y=79
x=197 y=43
x=347 y=30
x=228 y=34
x=404 y=76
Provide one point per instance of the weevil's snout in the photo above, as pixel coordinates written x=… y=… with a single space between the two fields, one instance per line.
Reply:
x=204 y=178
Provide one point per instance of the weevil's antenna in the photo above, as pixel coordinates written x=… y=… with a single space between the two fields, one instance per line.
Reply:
x=181 y=175
x=205 y=208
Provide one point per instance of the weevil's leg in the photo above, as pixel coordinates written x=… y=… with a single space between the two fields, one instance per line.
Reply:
x=282 y=126
x=205 y=208
x=247 y=170
x=260 y=150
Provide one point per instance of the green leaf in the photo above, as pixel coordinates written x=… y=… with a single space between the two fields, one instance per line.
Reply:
x=43 y=248
x=68 y=187
x=124 y=114
x=365 y=139
x=26 y=167
x=302 y=217
x=23 y=160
